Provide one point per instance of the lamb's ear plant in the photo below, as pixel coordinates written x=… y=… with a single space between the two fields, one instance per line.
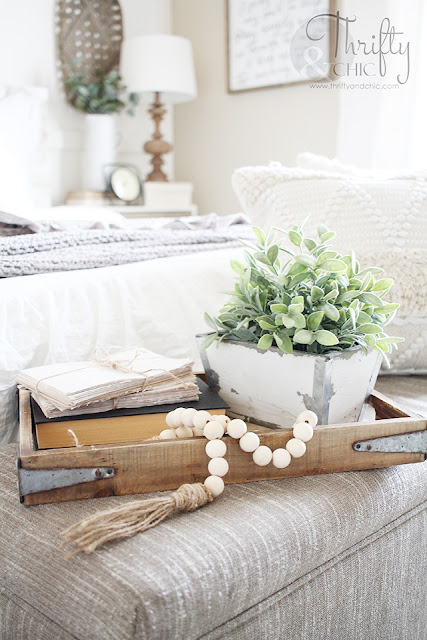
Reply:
x=304 y=297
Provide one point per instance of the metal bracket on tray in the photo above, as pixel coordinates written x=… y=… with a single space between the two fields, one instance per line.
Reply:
x=415 y=442
x=35 y=480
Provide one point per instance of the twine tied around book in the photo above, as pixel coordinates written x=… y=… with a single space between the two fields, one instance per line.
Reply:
x=133 y=517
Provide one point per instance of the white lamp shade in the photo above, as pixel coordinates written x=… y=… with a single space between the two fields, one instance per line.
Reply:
x=161 y=63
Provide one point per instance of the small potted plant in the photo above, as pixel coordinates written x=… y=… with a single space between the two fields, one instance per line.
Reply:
x=100 y=96
x=303 y=329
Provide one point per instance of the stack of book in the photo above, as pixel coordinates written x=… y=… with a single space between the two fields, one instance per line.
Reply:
x=124 y=399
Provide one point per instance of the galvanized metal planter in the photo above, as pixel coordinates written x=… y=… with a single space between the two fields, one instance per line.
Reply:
x=272 y=388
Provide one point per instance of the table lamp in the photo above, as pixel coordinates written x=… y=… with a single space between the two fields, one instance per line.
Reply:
x=159 y=67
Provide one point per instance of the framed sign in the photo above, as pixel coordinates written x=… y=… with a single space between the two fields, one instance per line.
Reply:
x=277 y=42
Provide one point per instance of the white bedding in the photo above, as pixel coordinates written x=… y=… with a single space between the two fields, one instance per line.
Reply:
x=55 y=317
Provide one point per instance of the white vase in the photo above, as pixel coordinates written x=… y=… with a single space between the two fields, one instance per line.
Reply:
x=100 y=149
x=271 y=387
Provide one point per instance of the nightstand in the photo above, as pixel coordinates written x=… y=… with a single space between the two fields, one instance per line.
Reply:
x=142 y=211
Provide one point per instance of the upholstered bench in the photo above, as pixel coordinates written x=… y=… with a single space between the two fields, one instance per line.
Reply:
x=332 y=557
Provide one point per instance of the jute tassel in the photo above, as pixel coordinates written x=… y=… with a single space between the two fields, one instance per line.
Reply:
x=133 y=517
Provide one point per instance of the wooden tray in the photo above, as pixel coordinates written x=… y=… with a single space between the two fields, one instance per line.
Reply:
x=74 y=473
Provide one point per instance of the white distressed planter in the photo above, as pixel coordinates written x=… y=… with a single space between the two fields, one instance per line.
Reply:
x=272 y=388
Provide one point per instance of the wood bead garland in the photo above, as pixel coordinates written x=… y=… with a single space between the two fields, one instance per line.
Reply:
x=218 y=467
x=216 y=448
x=129 y=518
x=213 y=429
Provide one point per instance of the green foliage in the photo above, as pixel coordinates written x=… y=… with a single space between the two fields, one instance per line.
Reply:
x=306 y=298
x=101 y=93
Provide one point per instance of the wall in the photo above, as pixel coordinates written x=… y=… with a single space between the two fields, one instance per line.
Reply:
x=219 y=132
x=27 y=56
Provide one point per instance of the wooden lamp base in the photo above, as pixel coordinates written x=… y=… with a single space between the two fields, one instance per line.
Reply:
x=157 y=146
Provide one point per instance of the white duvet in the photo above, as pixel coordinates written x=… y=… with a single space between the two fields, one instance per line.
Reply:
x=59 y=317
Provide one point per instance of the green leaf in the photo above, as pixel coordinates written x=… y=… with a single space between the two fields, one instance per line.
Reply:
x=210 y=321
x=370 y=339
x=363 y=317
x=208 y=340
x=299 y=321
x=265 y=341
x=392 y=339
x=260 y=235
x=284 y=342
x=296 y=269
x=279 y=308
x=325 y=237
x=382 y=285
x=243 y=334
x=288 y=322
x=330 y=311
x=237 y=266
x=326 y=255
x=346 y=296
x=296 y=308
x=314 y=320
x=373 y=270
x=272 y=253
x=316 y=293
x=267 y=326
x=369 y=328
x=322 y=229
x=310 y=244
x=295 y=237
x=371 y=299
x=261 y=258
x=387 y=308
x=332 y=294
x=307 y=260
x=303 y=336
x=333 y=266
x=326 y=338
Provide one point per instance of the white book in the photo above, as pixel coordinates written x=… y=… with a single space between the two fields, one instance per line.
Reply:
x=170 y=393
x=73 y=384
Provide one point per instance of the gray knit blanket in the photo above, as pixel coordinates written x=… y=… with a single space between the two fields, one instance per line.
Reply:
x=70 y=250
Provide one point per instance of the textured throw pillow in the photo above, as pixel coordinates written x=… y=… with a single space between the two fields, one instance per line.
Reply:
x=383 y=217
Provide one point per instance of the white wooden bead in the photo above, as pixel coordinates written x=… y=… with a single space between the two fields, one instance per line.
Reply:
x=215 y=484
x=197 y=432
x=200 y=419
x=170 y=419
x=236 y=428
x=303 y=431
x=296 y=447
x=224 y=420
x=218 y=467
x=213 y=430
x=177 y=417
x=281 y=458
x=184 y=432
x=249 y=442
x=262 y=456
x=216 y=448
x=307 y=416
x=167 y=433
x=187 y=417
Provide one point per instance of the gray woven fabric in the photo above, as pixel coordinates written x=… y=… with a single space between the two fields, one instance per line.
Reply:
x=70 y=250
x=197 y=572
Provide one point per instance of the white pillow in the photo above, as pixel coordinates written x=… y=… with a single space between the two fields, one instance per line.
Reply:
x=21 y=116
x=383 y=217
